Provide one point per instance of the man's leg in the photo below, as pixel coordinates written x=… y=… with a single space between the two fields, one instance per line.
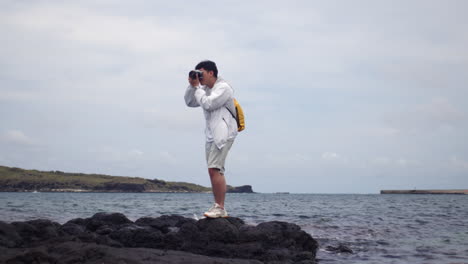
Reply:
x=218 y=184
x=215 y=159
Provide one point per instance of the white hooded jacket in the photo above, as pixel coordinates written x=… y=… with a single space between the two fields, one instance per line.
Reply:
x=220 y=124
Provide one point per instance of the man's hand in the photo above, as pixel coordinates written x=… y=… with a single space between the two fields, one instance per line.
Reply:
x=194 y=82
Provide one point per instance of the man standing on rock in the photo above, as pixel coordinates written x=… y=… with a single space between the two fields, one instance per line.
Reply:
x=215 y=96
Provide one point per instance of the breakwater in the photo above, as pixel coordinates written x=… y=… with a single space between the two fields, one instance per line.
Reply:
x=424 y=192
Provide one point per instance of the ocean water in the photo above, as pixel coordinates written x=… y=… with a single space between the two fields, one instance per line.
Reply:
x=377 y=228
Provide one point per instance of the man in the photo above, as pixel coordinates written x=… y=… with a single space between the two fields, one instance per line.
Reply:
x=215 y=96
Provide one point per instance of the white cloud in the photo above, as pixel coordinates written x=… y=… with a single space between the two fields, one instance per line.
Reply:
x=458 y=163
x=184 y=119
x=311 y=77
x=15 y=136
x=434 y=115
x=136 y=153
x=393 y=162
x=115 y=155
x=11 y=95
x=381 y=161
x=166 y=157
x=335 y=159
x=330 y=156
x=82 y=25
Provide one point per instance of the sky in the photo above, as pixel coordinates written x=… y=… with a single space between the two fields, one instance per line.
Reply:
x=339 y=96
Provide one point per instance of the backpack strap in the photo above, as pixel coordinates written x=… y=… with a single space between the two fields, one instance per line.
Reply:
x=233 y=116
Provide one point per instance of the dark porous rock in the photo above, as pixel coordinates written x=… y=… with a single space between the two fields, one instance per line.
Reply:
x=32 y=256
x=113 y=238
x=72 y=229
x=106 y=219
x=164 y=223
x=76 y=252
x=139 y=236
x=37 y=230
x=218 y=230
x=8 y=236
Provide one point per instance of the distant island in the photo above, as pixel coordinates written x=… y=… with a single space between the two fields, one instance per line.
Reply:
x=21 y=180
x=424 y=192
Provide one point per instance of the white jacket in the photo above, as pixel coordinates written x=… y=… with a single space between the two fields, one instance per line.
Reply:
x=220 y=124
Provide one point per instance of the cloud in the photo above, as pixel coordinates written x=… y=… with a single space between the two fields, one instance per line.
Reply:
x=434 y=115
x=85 y=56
x=458 y=163
x=335 y=157
x=132 y=157
x=85 y=26
x=135 y=153
x=381 y=161
x=166 y=158
x=17 y=137
x=110 y=76
x=117 y=155
x=185 y=119
x=330 y=156
x=393 y=162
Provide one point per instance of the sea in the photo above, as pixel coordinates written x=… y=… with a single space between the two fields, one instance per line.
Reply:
x=389 y=228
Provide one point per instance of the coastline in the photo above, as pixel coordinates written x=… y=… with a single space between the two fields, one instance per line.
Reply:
x=20 y=180
x=97 y=191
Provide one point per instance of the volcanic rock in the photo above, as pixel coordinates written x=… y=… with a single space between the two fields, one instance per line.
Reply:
x=113 y=238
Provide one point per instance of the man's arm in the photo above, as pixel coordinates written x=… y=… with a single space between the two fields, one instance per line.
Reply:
x=190 y=92
x=216 y=99
x=190 y=98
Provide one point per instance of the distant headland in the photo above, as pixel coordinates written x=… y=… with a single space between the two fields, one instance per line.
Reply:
x=424 y=192
x=21 y=180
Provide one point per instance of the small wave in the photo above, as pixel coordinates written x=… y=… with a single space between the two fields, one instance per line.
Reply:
x=382 y=243
x=421 y=222
x=278 y=214
x=392 y=256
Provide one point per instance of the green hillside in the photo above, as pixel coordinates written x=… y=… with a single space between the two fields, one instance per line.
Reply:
x=17 y=180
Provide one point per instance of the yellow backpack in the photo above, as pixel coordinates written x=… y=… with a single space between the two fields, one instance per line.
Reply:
x=239 y=117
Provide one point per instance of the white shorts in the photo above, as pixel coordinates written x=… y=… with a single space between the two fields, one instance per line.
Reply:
x=215 y=157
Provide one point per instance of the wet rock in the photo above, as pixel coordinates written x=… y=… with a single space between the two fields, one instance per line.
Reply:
x=76 y=252
x=32 y=257
x=104 y=230
x=72 y=228
x=37 y=230
x=236 y=221
x=138 y=236
x=8 y=236
x=164 y=223
x=219 y=230
x=106 y=219
x=226 y=238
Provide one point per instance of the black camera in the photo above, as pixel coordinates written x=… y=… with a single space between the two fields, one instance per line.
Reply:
x=196 y=73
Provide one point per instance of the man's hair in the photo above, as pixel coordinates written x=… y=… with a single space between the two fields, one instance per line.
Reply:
x=208 y=66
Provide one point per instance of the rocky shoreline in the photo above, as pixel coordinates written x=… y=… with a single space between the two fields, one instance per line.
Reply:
x=113 y=238
x=21 y=180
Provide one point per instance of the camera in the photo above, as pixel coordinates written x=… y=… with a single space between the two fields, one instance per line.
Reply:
x=194 y=74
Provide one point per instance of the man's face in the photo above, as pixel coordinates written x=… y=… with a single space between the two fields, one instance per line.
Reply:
x=207 y=75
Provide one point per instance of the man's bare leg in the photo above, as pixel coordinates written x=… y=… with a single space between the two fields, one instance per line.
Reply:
x=218 y=183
